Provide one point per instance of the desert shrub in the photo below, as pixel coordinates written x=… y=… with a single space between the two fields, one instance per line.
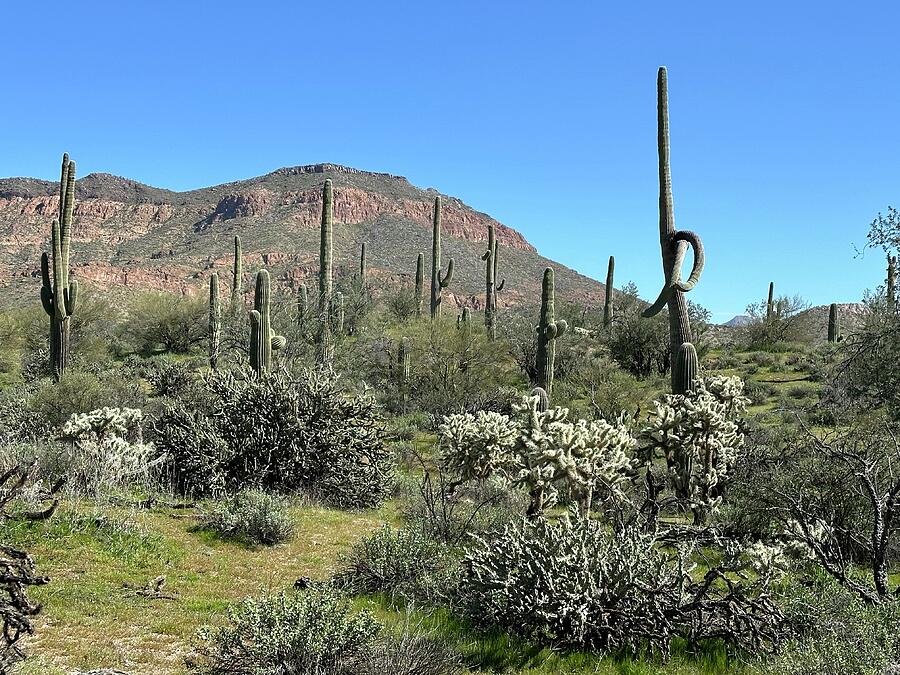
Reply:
x=163 y=322
x=279 y=433
x=575 y=584
x=166 y=377
x=790 y=323
x=836 y=634
x=17 y=421
x=251 y=516
x=409 y=653
x=639 y=345
x=106 y=450
x=759 y=392
x=763 y=359
x=449 y=513
x=596 y=386
x=311 y=632
x=79 y=392
x=400 y=562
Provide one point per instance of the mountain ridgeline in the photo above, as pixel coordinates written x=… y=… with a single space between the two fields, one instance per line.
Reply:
x=127 y=235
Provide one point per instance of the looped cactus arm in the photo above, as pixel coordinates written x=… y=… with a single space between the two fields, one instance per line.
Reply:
x=445 y=279
x=679 y=242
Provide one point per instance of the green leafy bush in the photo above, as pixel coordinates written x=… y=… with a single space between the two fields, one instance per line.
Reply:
x=312 y=632
x=251 y=516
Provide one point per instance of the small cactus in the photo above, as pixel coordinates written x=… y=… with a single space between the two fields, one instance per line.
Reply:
x=262 y=341
x=549 y=329
x=237 y=275
x=834 y=323
x=674 y=243
x=608 y=304
x=215 y=320
x=438 y=281
x=302 y=304
x=363 y=265
x=464 y=318
x=59 y=295
x=543 y=399
x=687 y=369
x=404 y=371
x=770 y=303
x=891 y=276
x=420 y=283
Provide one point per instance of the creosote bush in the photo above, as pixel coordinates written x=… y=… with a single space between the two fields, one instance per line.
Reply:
x=251 y=516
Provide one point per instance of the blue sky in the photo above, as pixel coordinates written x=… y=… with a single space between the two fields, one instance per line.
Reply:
x=784 y=117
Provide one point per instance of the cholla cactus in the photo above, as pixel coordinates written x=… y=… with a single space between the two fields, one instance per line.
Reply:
x=476 y=447
x=555 y=458
x=106 y=448
x=699 y=436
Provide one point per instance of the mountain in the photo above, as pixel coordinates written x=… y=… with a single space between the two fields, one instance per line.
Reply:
x=737 y=321
x=132 y=236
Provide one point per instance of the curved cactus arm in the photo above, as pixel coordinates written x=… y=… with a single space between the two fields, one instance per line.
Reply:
x=487 y=254
x=661 y=301
x=47 y=286
x=255 y=319
x=70 y=296
x=499 y=287
x=278 y=342
x=448 y=277
x=692 y=239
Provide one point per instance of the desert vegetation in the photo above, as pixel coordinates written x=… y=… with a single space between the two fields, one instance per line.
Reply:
x=285 y=480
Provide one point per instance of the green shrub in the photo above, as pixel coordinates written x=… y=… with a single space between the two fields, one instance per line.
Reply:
x=279 y=433
x=252 y=516
x=312 y=632
x=80 y=392
x=163 y=322
x=401 y=562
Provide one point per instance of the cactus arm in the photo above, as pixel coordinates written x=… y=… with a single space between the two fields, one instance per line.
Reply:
x=278 y=342
x=254 y=340
x=57 y=270
x=499 y=287
x=448 y=277
x=70 y=296
x=693 y=240
x=46 y=286
x=65 y=224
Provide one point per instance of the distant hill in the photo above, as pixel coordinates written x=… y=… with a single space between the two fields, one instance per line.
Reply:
x=738 y=321
x=131 y=236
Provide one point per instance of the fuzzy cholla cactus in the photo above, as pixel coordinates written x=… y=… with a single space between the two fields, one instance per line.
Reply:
x=699 y=435
x=106 y=447
x=555 y=458
x=478 y=446
x=573 y=460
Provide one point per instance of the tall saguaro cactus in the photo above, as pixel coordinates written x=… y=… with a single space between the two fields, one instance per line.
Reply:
x=834 y=323
x=438 y=281
x=363 y=265
x=608 y=304
x=262 y=340
x=324 y=339
x=237 y=276
x=674 y=243
x=215 y=320
x=549 y=329
x=420 y=283
x=770 y=303
x=59 y=295
x=491 y=285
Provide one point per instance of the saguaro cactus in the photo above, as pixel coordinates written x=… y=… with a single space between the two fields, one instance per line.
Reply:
x=834 y=323
x=687 y=369
x=215 y=320
x=891 y=272
x=404 y=371
x=324 y=339
x=237 y=276
x=363 y=265
x=420 y=283
x=262 y=340
x=438 y=281
x=59 y=295
x=674 y=243
x=491 y=285
x=770 y=303
x=302 y=304
x=464 y=318
x=549 y=329
x=608 y=304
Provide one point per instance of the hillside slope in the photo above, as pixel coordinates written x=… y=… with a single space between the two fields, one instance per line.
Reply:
x=135 y=236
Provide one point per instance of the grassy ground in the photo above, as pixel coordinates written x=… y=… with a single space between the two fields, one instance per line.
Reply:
x=99 y=557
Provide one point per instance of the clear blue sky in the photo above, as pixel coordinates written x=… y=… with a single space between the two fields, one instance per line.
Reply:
x=784 y=116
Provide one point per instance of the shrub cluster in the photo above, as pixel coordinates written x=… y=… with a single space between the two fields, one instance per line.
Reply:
x=252 y=516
